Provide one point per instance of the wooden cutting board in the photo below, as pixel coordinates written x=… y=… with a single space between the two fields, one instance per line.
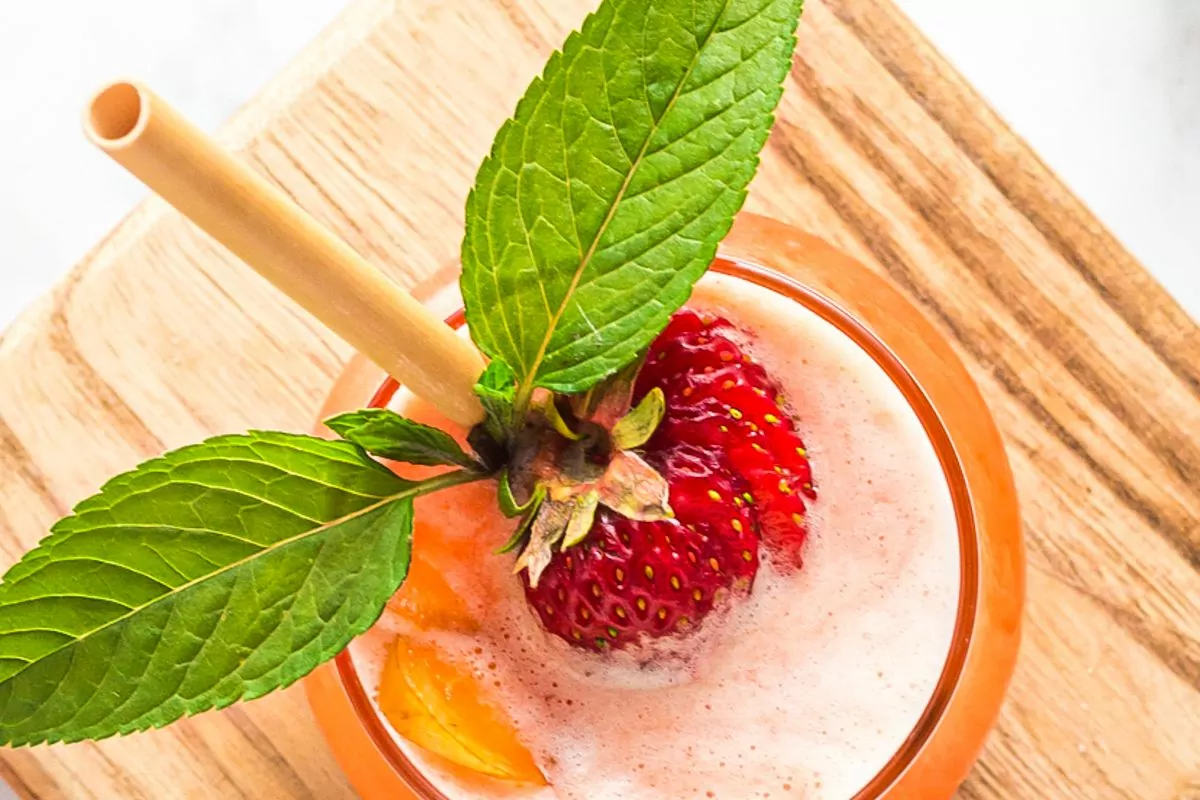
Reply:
x=159 y=338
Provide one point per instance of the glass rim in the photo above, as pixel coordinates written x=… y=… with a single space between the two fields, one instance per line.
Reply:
x=952 y=469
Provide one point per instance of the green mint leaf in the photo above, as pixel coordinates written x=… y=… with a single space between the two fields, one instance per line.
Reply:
x=385 y=433
x=218 y=572
x=605 y=196
x=496 y=388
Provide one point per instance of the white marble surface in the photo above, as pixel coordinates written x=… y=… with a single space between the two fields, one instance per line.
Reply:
x=1108 y=91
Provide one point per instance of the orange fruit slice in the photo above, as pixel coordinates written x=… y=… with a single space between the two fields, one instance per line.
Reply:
x=438 y=705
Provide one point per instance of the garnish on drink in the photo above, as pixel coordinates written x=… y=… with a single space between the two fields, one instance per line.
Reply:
x=724 y=451
x=643 y=464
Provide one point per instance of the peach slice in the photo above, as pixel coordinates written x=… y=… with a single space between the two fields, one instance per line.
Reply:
x=438 y=705
x=431 y=700
x=426 y=599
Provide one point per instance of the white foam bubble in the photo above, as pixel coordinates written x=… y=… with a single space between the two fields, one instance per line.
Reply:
x=804 y=689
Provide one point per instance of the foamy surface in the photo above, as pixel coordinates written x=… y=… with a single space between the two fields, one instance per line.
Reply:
x=804 y=689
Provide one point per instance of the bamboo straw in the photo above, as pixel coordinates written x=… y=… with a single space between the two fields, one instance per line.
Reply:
x=285 y=245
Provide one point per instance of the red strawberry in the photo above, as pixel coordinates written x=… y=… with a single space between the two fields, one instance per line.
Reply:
x=737 y=471
x=719 y=398
x=630 y=578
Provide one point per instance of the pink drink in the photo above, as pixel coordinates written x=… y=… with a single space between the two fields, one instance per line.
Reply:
x=805 y=689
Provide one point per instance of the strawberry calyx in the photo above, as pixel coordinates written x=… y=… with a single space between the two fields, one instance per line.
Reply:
x=645 y=502
x=562 y=472
x=638 y=425
x=634 y=489
x=609 y=401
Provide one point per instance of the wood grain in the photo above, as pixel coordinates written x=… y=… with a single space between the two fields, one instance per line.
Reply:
x=1093 y=372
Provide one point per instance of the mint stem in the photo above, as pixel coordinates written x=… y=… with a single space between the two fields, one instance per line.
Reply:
x=458 y=477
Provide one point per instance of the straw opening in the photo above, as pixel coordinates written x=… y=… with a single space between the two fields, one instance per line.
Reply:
x=115 y=113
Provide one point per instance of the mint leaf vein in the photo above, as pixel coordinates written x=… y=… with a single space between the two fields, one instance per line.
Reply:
x=606 y=194
x=216 y=573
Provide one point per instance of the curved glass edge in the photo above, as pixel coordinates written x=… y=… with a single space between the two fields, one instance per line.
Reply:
x=952 y=468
